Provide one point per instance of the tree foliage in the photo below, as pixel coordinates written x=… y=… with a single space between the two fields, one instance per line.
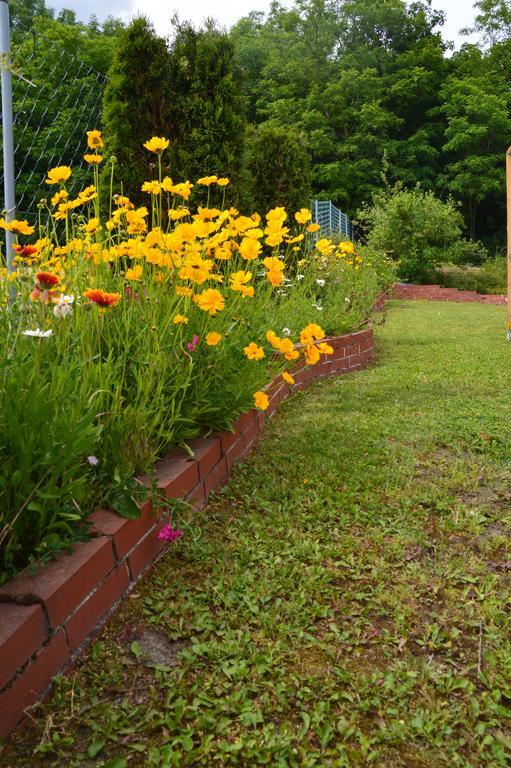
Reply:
x=279 y=168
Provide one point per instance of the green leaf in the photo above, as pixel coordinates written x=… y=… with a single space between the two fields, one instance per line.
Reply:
x=95 y=748
x=116 y=762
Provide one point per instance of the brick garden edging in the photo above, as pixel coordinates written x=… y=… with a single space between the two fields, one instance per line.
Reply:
x=438 y=293
x=48 y=618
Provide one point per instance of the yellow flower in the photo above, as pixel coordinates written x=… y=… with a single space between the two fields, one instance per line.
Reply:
x=153 y=187
x=240 y=279
x=250 y=248
x=58 y=175
x=288 y=378
x=325 y=348
x=93 y=159
x=94 y=140
x=273 y=339
x=261 y=400
x=182 y=290
x=213 y=338
x=325 y=246
x=183 y=190
x=135 y=273
x=346 y=247
x=87 y=194
x=210 y=300
x=275 y=277
x=180 y=320
x=122 y=200
x=178 y=213
x=207 y=180
x=287 y=348
x=303 y=216
x=16 y=226
x=313 y=228
x=157 y=144
x=273 y=263
x=276 y=215
x=92 y=226
x=253 y=351
x=223 y=181
x=59 y=196
x=312 y=354
x=297 y=239
x=311 y=332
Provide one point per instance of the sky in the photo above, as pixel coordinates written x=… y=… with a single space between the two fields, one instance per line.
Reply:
x=459 y=13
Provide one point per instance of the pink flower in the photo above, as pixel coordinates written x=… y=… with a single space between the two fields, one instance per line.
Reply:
x=168 y=533
x=192 y=344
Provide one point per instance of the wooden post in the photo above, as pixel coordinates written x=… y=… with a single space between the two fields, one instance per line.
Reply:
x=508 y=192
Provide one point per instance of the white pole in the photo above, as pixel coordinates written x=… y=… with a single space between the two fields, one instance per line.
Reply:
x=7 y=128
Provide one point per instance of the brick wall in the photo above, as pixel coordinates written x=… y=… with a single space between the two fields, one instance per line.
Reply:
x=437 y=293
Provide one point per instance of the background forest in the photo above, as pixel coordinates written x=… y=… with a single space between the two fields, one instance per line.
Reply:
x=335 y=99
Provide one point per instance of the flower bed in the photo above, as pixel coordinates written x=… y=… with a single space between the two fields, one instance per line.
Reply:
x=128 y=329
x=47 y=618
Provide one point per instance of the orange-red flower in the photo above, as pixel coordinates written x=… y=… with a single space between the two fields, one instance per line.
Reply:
x=25 y=250
x=101 y=298
x=46 y=281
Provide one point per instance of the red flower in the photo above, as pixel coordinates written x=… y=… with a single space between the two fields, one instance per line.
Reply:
x=45 y=280
x=25 y=250
x=102 y=298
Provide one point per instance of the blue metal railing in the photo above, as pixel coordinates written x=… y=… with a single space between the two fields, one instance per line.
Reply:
x=331 y=219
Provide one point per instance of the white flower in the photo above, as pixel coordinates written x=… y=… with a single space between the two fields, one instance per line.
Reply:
x=318 y=307
x=286 y=331
x=93 y=461
x=300 y=277
x=38 y=333
x=63 y=306
x=321 y=282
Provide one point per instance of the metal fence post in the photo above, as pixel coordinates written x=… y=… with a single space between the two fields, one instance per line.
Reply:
x=7 y=128
x=508 y=194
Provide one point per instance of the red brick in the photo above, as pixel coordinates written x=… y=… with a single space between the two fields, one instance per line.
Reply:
x=207 y=451
x=89 y=615
x=227 y=440
x=145 y=552
x=63 y=583
x=236 y=451
x=22 y=633
x=250 y=435
x=197 y=496
x=340 y=364
x=246 y=419
x=355 y=361
x=176 y=475
x=125 y=533
x=32 y=683
x=217 y=477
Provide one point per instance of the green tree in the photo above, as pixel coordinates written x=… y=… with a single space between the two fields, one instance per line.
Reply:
x=279 y=167
x=134 y=103
x=204 y=107
x=477 y=110
x=414 y=228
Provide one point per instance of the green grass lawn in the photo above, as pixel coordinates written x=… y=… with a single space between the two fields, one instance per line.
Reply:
x=345 y=601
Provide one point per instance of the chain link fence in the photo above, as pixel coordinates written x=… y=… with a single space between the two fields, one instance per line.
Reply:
x=56 y=98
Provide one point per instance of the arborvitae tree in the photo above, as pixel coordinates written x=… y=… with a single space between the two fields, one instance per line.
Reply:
x=134 y=104
x=280 y=168
x=205 y=108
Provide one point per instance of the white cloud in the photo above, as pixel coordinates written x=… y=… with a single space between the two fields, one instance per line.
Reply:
x=459 y=13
